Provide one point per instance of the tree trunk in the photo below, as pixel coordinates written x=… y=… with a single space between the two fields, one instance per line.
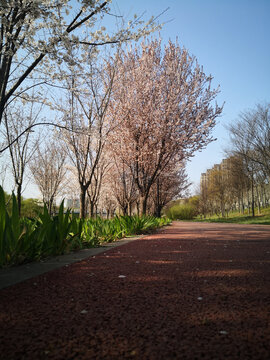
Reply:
x=258 y=201
x=158 y=210
x=50 y=206
x=129 y=208
x=263 y=197
x=92 y=208
x=143 y=204
x=19 y=198
x=158 y=206
x=82 y=202
x=248 y=202
x=252 y=197
x=222 y=208
x=124 y=209
x=242 y=202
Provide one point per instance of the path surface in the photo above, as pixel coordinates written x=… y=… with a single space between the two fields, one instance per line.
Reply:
x=191 y=291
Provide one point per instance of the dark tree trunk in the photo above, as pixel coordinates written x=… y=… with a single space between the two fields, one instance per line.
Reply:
x=50 y=206
x=92 y=208
x=143 y=204
x=82 y=202
x=258 y=200
x=125 y=209
x=129 y=208
x=19 y=198
x=252 y=198
x=158 y=211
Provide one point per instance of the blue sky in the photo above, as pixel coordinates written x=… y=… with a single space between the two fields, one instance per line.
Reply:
x=230 y=39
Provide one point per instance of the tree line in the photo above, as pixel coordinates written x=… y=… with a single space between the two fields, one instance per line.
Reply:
x=126 y=119
x=241 y=181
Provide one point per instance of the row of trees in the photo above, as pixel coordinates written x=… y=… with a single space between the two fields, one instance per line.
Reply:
x=242 y=180
x=126 y=123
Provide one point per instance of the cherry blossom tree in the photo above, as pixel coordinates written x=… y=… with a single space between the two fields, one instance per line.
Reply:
x=38 y=34
x=162 y=101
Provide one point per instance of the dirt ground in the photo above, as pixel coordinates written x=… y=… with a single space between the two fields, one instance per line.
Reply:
x=189 y=291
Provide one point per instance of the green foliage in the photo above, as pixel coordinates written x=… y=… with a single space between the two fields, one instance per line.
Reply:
x=30 y=208
x=194 y=201
x=27 y=239
x=53 y=232
x=182 y=212
x=136 y=224
x=8 y=201
x=183 y=209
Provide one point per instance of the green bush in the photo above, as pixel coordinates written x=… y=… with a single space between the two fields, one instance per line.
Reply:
x=182 y=212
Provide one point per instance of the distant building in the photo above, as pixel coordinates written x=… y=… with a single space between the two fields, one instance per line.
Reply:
x=224 y=167
x=203 y=181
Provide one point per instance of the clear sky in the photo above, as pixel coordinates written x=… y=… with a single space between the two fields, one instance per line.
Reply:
x=230 y=39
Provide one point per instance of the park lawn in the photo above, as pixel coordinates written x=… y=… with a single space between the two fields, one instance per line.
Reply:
x=236 y=218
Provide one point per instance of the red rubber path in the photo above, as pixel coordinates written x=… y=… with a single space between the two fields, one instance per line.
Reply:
x=190 y=291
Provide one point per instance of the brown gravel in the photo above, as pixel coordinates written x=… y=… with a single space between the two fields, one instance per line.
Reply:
x=191 y=291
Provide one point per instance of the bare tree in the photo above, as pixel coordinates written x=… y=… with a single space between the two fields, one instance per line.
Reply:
x=3 y=173
x=93 y=191
x=238 y=181
x=23 y=148
x=123 y=185
x=250 y=136
x=250 y=140
x=90 y=127
x=107 y=203
x=218 y=189
x=48 y=169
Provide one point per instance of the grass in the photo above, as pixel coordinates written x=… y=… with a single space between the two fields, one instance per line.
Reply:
x=262 y=219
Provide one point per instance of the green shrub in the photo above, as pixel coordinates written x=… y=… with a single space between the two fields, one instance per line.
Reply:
x=181 y=212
